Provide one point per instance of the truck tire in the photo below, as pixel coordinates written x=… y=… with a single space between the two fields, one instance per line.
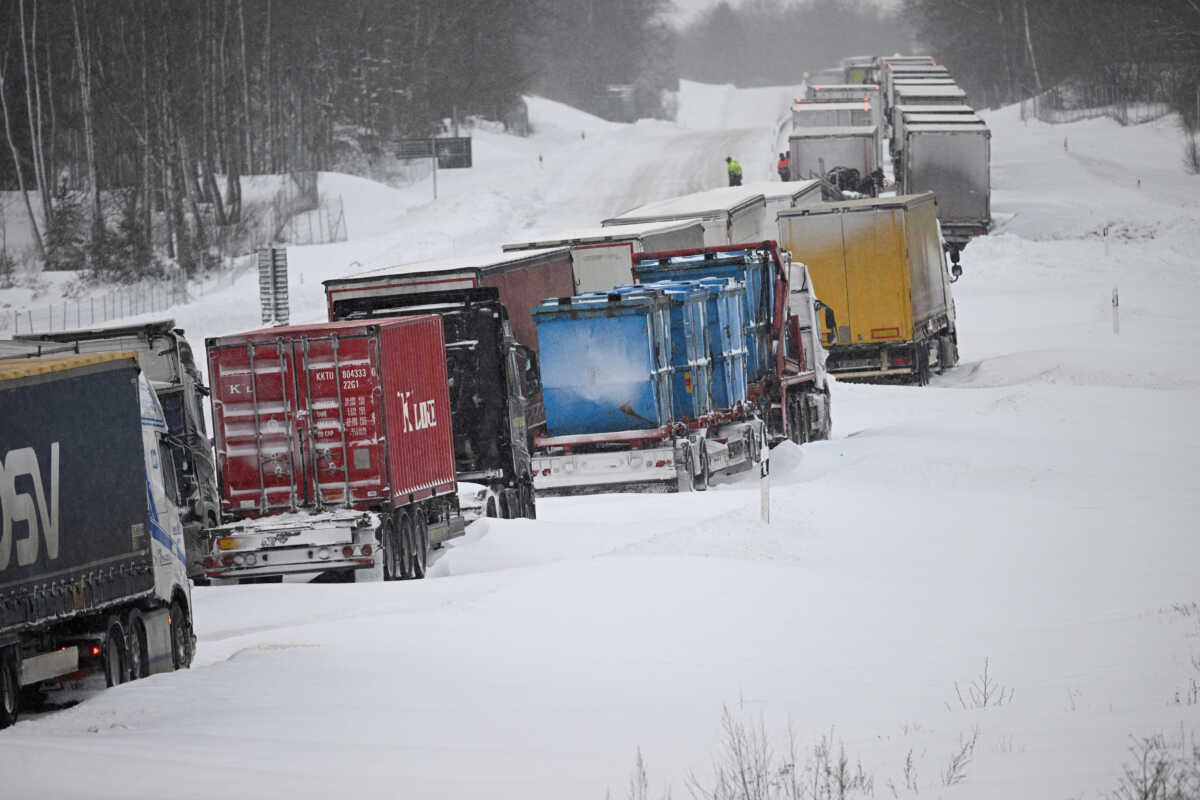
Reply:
x=137 y=645
x=404 y=528
x=181 y=637
x=420 y=544
x=529 y=501
x=116 y=656
x=686 y=476
x=391 y=549
x=10 y=689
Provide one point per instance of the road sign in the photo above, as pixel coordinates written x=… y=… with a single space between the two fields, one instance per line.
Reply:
x=451 y=152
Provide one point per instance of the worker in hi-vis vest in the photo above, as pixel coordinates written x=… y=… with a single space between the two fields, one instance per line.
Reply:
x=735 y=171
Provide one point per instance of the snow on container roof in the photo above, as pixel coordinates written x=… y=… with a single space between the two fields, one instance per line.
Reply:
x=42 y=365
x=725 y=200
x=601 y=235
x=836 y=207
x=933 y=118
x=499 y=261
x=930 y=108
x=842 y=130
x=845 y=87
x=778 y=190
x=926 y=90
x=836 y=105
x=976 y=127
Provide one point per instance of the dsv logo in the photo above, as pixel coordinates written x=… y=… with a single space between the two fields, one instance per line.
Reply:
x=17 y=507
x=417 y=416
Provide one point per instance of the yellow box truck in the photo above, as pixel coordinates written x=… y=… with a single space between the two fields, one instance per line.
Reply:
x=880 y=264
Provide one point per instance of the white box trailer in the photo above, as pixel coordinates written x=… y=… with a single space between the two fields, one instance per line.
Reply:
x=931 y=95
x=841 y=91
x=601 y=262
x=953 y=161
x=821 y=114
x=730 y=215
x=815 y=151
x=781 y=195
x=928 y=114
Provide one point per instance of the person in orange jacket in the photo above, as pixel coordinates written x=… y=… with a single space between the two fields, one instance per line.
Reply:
x=784 y=167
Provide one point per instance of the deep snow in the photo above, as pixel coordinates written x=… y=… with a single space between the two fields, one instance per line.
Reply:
x=1035 y=508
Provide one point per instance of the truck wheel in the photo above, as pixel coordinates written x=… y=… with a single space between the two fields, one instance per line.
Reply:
x=10 y=690
x=529 y=502
x=181 y=637
x=116 y=658
x=387 y=539
x=686 y=481
x=702 y=481
x=420 y=544
x=136 y=645
x=922 y=365
x=405 y=529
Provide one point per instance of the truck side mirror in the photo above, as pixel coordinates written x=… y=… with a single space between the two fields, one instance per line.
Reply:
x=956 y=271
x=831 y=323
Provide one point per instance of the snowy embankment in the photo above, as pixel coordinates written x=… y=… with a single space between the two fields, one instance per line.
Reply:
x=1033 y=510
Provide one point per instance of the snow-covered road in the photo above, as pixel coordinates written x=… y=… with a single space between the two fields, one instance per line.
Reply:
x=1034 y=509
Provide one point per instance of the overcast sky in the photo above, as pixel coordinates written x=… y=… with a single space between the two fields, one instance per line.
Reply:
x=686 y=9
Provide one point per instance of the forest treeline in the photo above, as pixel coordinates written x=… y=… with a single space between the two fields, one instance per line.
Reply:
x=131 y=121
x=1002 y=51
x=774 y=42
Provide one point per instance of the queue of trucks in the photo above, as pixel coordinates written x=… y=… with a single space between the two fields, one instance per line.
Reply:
x=906 y=113
x=671 y=345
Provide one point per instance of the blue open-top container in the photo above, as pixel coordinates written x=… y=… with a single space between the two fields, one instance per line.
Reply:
x=749 y=267
x=605 y=361
x=691 y=355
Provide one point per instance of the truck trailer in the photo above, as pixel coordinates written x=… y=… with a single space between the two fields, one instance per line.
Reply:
x=676 y=379
x=729 y=214
x=166 y=360
x=521 y=278
x=834 y=113
x=334 y=449
x=899 y=114
x=779 y=195
x=603 y=257
x=950 y=156
x=817 y=151
x=93 y=578
x=880 y=263
x=495 y=390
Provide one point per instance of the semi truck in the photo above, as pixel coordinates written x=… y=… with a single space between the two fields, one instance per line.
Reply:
x=909 y=94
x=689 y=373
x=93 y=578
x=166 y=360
x=880 y=263
x=950 y=155
x=334 y=449
x=495 y=391
x=728 y=214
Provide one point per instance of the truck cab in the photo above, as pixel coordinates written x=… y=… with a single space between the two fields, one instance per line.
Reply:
x=495 y=392
x=167 y=362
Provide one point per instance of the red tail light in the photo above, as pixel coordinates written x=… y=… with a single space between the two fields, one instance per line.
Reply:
x=366 y=549
x=227 y=561
x=209 y=563
x=347 y=551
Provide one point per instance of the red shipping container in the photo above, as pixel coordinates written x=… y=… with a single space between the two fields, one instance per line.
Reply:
x=334 y=414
